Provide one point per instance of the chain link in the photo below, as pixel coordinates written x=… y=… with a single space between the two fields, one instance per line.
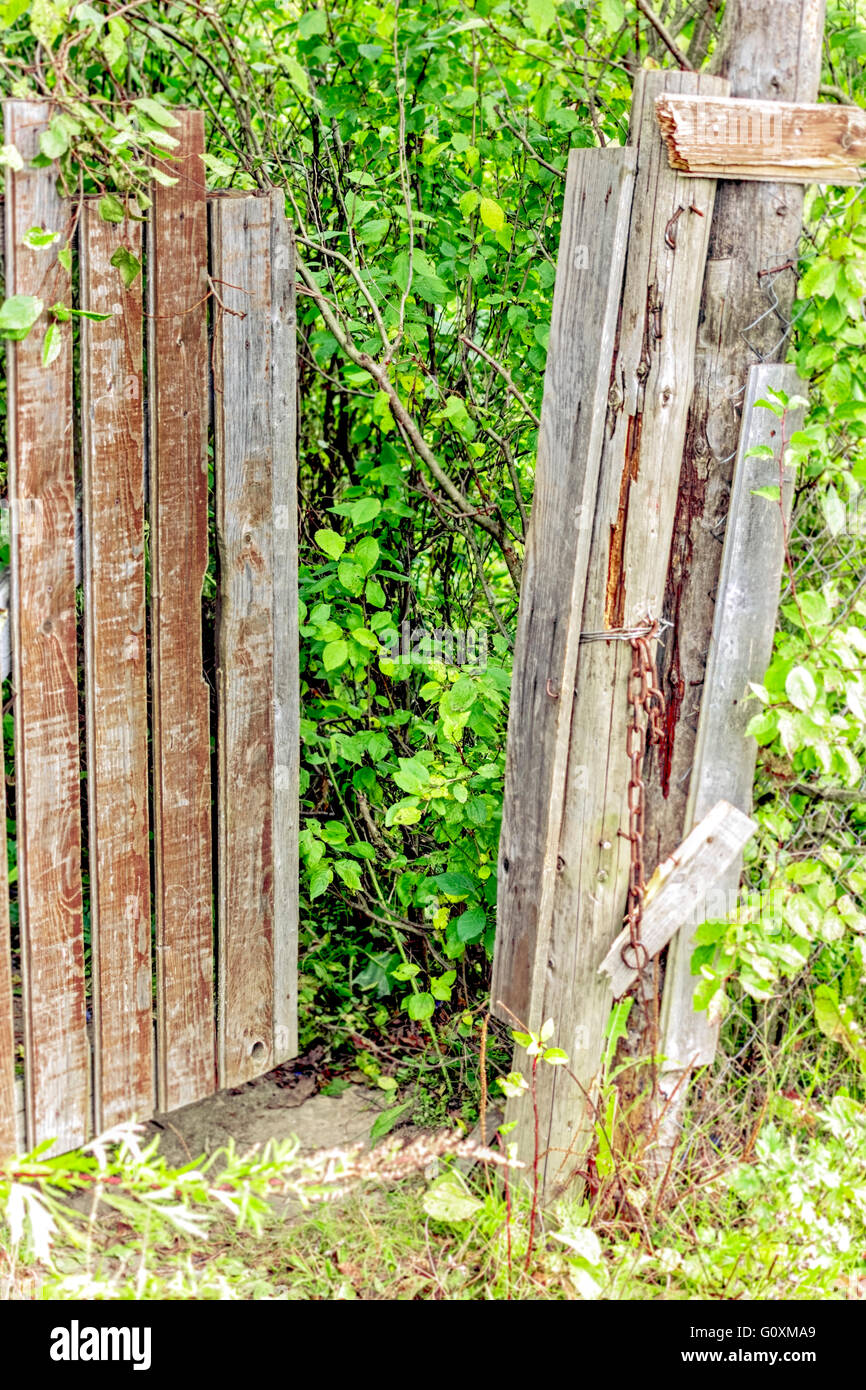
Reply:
x=647 y=716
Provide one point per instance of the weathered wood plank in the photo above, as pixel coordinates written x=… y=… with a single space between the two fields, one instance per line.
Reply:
x=45 y=662
x=740 y=650
x=788 y=142
x=744 y=317
x=243 y=477
x=650 y=391
x=112 y=459
x=583 y=328
x=177 y=360
x=285 y=627
x=679 y=888
x=8 y=1090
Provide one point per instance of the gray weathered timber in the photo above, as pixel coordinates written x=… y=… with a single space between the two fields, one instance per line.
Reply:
x=243 y=472
x=285 y=621
x=649 y=396
x=740 y=649
x=765 y=52
x=45 y=661
x=115 y=670
x=8 y=1089
x=583 y=327
x=680 y=887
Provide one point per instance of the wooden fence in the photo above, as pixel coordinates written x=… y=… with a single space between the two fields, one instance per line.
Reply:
x=157 y=934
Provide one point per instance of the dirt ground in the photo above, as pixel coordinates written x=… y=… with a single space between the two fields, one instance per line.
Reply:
x=282 y=1104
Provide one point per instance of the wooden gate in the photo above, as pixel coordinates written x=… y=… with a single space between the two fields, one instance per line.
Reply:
x=153 y=618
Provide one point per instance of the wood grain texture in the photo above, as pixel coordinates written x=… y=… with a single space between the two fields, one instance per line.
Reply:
x=285 y=627
x=45 y=663
x=8 y=1089
x=583 y=328
x=112 y=466
x=740 y=649
x=756 y=226
x=178 y=412
x=243 y=478
x=680 y=888
x=649 y=396
x=789 y=142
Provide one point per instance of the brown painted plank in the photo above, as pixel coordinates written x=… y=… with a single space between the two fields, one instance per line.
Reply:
x=679 y=889
x=243 y=477
x=112 y=456
x=648 y=402
x=178 y=413
x=583 y=328
x=787 y=142
x=285 y=621
x=45 y=662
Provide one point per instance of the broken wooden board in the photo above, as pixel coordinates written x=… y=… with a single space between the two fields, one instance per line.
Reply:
x=740 y=650
x=8 y=1089
x=583 y=327
x=177 y=360
x=650 y=389
x=115 y=668
x=785 y=142
x=45 y=658
x=679 y=887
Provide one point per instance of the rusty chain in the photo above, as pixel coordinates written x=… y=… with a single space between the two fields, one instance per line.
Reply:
x=644 y=696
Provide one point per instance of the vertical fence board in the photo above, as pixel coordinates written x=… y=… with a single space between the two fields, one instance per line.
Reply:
x=650 y=390
x=178 y=414
x=243 y=475
x=285 y=619
x=740 y=649
x=45 y=663
x=8 y=1096
x=586 y=301
x=112 y=439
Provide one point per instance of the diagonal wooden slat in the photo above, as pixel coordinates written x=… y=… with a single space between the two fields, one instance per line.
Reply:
x=112 y=453
x=45 y=660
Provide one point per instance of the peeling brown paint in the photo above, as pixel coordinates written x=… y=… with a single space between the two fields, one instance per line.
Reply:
x=614 y=602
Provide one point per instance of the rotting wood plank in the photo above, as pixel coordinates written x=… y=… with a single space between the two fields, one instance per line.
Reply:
x=679 y=889
x=285 y=628
x=177 y=358
x=740 y=650
x=243 y=479
x=45 y=662
x=745 y=311
x=788 y=142
x=648 y=401
x=115 y=667
x=583 y=327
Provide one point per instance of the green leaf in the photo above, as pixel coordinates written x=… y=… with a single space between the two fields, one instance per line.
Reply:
x=155 y=111
x=364 y=510
x=64 y=258
x=366 y=553
x=335 y=654
x=470 y=925
x=38 y=237
x=441 y=985
x=387 y=1119
x=320 y=880
x=18 y=314
x=492 y=215
x=331 y=542
x=772 y=493
x=450 y=1200
x=800 y=688
x=420 y=1006
x=128 y=265
x=111 y=208
x=51 y=344
x=10 y=159
x=542 y=13
x=312 y=23
x=350 y=872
